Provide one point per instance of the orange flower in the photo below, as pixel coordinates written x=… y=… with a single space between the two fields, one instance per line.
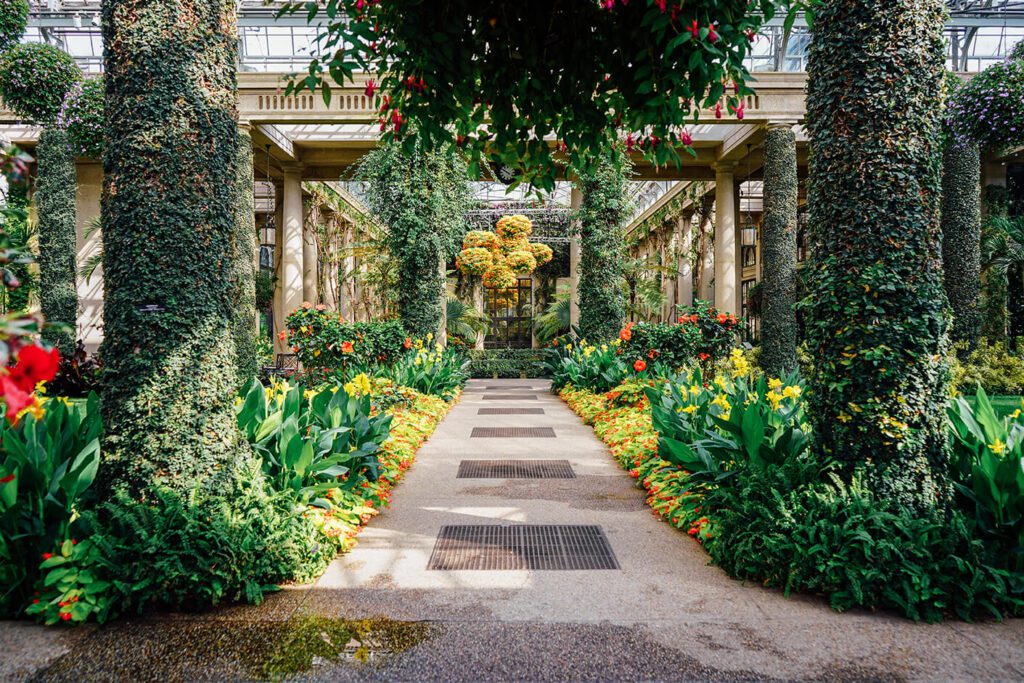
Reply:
x=703 y=356
x=306 y=304
x=627 y=332
x=652 y=354
x=408 y=343
x=640 y=366
x=722 y=317
x=283 y=335
x=346 y=347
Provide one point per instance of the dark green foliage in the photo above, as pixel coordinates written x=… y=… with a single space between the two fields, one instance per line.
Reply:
x=876 y=323
x=54 y=461
x=990 y=365
x=168 y=221
x=507 y=363
x=34 y=78
x=961 y=238
x=602 y=218
x=994 y=294
x=194 y=550
x=16 y=229
x=243 y=269
x=81 y=116
x=13 y=20
x=784 y=528
x=778 y=253
x=55 y=207
x=422 y=198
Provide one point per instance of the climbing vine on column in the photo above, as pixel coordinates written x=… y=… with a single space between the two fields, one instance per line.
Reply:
x=243 y=270
x=876 y=326
x=778 y=318
x=55 y=207
x=961 y=237
x=421 y=197
x=602 y=218
x=168 y=220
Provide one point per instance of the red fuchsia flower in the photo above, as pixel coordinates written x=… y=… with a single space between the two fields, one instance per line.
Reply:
x=751 y=35
x=661 y=5
x=718 y=110
x=712 y=36
x=738 y=110
x=695 y=30
x=371 y=88
x=640 y=366
x=47 y=556
x=7 y=479
x=347 y=347
x=686 y=138
x=65 y=616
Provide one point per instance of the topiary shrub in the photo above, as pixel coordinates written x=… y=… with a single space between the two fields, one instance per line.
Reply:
x=961 y=238
x=507 y=363
x=778 y=250
x=243 y=264
x=876 y=323
x=602 y=218
x=81 y=115
x=55 y=207
x=35 y=77
x=13 y=20
x=168 y=221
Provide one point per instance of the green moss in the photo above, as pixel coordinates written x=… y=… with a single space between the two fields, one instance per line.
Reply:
x=602 y=218
x=778 y=251
x=168 y=221
x=243 y=275
x=961 y=238
x=876 y=325
x=55 y=207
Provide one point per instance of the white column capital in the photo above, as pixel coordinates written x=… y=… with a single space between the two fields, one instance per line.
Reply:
x=781 y=123
x=724 y=167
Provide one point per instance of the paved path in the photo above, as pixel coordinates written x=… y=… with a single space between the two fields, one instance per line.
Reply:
x=664 y=615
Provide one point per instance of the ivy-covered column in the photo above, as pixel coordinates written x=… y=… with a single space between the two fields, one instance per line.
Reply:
x=778 y=252
x=243 y=271
x=168 y=221
x=995 y=294
x=961 y=237
x=602 y=219
x=55 y=208
x=875 y=323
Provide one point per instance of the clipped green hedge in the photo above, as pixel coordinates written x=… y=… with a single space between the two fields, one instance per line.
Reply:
x=602 y=218
x=168 y=221
x=55 y=207
x=507 y=363
x=243 y=263
x=35 y=77
x=13 y=20
x=876 y=326
x=961 y=238
x=778 y=251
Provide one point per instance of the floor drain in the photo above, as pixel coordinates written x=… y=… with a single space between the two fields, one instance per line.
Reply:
x=490 y=547
x=512 y=433
x=510 y=397
x=515 y=469
x=510 y=411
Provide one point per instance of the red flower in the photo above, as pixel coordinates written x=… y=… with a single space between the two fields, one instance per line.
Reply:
x=408 y=343
x=47 y=556
x=652 y=354
x=8 y=478
x=627 y=332
x=65 y=616
x=722 y=317
x=346 y=347
x=640 y=366
x=371 y=87
x=35 y=365
x=283 y=335
x=17 y=399
x=703 y=356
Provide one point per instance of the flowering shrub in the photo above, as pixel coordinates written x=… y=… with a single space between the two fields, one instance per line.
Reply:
x=72 y=589
x=438 y=372
x=13 y=20
x=499 y=256
x=81 y=115
x=325 y=344
x=596 y=368
x=989 y=108
x=35 y=77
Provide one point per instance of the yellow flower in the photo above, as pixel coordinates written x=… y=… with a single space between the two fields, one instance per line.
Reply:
x=604 y=348
x=843 y=417
x=775 y=398
x=616 y=342
x=430 y=336
x=695 y=389
x=720 y=381
x=308 y=394
x=691 y=409
x=774 y=383
x=1015 y=414
x=998 y=447
x=791 y=392
x=722 y=402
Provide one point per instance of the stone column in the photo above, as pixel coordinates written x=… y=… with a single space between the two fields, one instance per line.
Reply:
x=309 y=261
x=576 y=201
x=778 y=319
x=684 y=282
x=278 y=307
x=726 y=285
x=291 y=242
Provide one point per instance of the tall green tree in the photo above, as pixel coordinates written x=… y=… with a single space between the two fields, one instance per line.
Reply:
x=602 y=219
x=55 y=207
x=421 y=197
x=876 y=326
x=168 y=221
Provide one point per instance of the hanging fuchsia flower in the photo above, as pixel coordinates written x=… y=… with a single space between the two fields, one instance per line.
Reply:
x=738 y=110
x=629 y=142
x=695 y=30
x=686 y=138
x=712 y=36
x=371 y=88
x=718 y=110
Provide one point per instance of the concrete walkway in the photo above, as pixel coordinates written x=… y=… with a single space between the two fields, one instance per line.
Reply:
x=664 y=615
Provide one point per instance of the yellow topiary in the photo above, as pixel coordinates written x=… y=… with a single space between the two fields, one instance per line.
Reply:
x=484 y=239
x=500 y=276
x=521 y=262
x=512 y=228
x=541 y=253
x=474 y=260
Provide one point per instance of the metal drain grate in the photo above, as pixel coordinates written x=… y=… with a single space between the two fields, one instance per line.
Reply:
x=510 y=411
x=527 y=546
x=515 y=469
x=512 y=433
x=510 y=397
x=510 y=388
